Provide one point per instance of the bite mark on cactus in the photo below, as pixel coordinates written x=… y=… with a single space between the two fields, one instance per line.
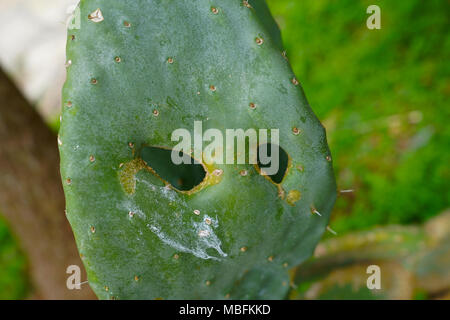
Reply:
x=92 y=228
x=69 y=104
x=214 y=10
x=170 y=60
x=94 y=81
x=243 y=173
x=118 y=59
x=68 y=181
x=127 y=24
x=252 y=105
x=96 y=16
x=91 y=158
x=155 y=113
x=284 y=163
x=259 y=41
x=183 y=177
x=295 y=82
x=212 y=88
x=246 y=4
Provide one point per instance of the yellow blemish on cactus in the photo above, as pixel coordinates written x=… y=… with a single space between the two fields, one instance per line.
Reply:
x=270 y=259
x=293 y=196
x=92 y=229
x=96 y=16
x=127 y=175
x=136 y=278
x=208 y=283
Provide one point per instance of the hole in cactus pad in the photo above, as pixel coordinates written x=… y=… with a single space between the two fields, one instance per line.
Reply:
x=183 y=177
x=283 y=161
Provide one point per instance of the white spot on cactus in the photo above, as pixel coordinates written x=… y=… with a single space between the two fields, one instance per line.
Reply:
x=96 y=16
x=91 y=158
x=217 y=172
x=252 y=105
x=296 y=131
x=214 y=10
x=170 y=60
x=68 y=63
x=243 y=173
x=259 y=41
x=59 y=141
x=155 y=113
x=118 y=59
x=208 y=221
x=295 y=82
x=197 y=212
x=203 y=233
x=246 y=4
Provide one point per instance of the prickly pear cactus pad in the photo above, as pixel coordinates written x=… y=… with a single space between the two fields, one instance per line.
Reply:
x=147 y=229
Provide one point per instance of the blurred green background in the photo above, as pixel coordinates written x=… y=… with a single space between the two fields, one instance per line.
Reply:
x=383 y=96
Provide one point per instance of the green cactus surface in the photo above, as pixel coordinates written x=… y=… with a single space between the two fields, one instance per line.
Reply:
x=137 y=71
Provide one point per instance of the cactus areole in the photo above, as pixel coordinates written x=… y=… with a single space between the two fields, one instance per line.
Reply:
x=149 y=229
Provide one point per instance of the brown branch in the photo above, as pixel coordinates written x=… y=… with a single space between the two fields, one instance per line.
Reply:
x=31 y=196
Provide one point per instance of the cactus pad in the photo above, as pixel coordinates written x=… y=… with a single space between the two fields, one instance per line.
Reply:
x=145 y=230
